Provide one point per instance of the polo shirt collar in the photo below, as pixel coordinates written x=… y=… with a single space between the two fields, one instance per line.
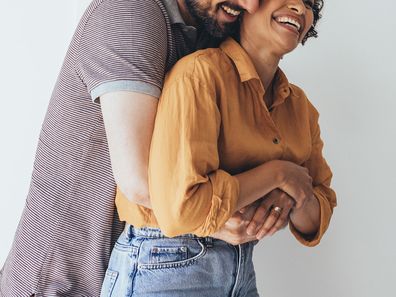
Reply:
x=174 y=13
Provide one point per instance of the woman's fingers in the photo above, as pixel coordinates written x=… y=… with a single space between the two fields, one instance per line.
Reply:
x=280 y=206
x=258 y=218
x=269 y=222
x=281 y=223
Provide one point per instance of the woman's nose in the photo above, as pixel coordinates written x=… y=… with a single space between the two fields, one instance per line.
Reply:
x=297 y=6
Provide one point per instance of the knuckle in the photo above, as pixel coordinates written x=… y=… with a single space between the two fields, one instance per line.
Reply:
x=262 y=207
x=289 y=203
x=238 y=221
x=274 y=214
x=280 y=221
x=261 y=211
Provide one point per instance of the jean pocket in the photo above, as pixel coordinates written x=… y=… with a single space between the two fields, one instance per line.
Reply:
x=109 y=283
x=161 y=256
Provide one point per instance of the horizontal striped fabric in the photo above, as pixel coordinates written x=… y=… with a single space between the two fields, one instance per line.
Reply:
x=69 y=224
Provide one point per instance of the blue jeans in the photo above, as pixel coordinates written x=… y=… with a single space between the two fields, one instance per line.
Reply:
x=145 y=263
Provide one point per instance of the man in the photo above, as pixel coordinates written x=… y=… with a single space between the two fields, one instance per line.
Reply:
x=118 y=57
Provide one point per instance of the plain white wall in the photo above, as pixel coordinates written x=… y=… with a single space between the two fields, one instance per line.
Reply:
x=349 y=73
x=34 y=37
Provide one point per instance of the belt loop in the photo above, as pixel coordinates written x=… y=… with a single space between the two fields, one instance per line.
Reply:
x=127 y=231
x=209 y=242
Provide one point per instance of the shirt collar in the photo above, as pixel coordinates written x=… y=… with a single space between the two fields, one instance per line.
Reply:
x=247 y=71
x=174 y=13
x=241 y=59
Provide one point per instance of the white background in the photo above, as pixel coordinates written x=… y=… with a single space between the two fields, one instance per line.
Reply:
x=348 y=73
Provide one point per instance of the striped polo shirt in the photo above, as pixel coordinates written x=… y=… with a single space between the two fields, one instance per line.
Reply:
x=69 y=223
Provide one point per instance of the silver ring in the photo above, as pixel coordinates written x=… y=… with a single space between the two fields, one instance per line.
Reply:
x=277 y=209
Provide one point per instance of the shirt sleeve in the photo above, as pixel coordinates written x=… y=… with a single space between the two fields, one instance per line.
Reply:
x=188 y=190
x=123 y=47
x=321 y=176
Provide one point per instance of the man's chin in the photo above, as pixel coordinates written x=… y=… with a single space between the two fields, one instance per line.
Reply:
x=221 y=31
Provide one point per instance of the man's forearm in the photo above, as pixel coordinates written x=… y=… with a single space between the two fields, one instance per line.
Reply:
x=129 y=121
x=137 y=192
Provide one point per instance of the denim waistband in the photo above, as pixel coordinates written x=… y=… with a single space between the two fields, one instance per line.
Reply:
x=151 y=232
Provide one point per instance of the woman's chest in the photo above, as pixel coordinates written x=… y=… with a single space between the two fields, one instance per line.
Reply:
x=251 y=135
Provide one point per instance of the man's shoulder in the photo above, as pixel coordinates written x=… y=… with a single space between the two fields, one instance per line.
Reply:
x=131 y=3
x=149 y=9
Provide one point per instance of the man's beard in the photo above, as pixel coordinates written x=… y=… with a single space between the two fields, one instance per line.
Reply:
x=208 y=23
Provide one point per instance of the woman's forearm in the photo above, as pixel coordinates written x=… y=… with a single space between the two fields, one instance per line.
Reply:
x=258 y=182
x=307 y=219
x=288 y=177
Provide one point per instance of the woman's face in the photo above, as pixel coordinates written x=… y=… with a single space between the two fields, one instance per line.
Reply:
x=279 y=25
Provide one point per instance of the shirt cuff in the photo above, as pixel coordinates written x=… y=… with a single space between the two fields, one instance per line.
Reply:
x=224 y=200
x=124 y=85
x=325 y=215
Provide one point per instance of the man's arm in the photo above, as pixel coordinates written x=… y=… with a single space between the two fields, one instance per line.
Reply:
x=129 y=121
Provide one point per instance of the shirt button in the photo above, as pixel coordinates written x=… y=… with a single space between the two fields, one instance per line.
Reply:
x=276 y=140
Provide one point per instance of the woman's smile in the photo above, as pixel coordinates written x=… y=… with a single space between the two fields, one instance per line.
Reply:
x=290 y=23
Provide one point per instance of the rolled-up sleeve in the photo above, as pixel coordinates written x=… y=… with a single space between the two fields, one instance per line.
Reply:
x=321 y=176
x=189 y=192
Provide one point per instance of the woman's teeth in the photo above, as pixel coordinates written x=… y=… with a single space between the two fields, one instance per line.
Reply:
x=290 y=21
x=230 y=10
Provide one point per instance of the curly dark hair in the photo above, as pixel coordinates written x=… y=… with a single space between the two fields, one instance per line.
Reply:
x=316 y=9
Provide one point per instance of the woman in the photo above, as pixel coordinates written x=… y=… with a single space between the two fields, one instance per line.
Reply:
x=229 y=130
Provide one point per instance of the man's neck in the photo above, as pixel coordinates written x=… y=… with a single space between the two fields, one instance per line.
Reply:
x=185 y=13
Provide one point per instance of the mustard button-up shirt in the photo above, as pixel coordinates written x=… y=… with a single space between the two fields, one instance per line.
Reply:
x=212 y=123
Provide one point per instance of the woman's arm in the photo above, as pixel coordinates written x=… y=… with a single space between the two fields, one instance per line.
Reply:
x=189 y=192
x=309 y=222
x=284 y=175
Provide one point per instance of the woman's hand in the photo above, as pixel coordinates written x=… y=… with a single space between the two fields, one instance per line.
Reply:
x=296 y=182
x=258 y=219
x=267 y=221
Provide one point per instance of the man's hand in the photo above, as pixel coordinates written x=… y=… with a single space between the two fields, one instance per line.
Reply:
x=267 y=221
x=234 y=230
